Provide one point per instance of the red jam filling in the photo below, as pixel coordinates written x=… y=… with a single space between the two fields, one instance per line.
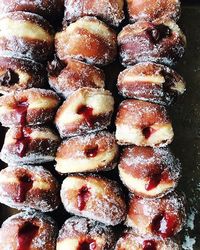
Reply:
x=158 y=32
x=154 y=181
x=26 y=235
x=23 y=140
x=91 y=151
x=25 y=185
x=147 y=132
x=9 y=78
x=86 y=112
x=88 y=244
x=21 y=111
x=83 y=197
x=149 y=245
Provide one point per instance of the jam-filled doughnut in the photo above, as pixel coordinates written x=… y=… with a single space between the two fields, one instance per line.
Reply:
x=143 y=124
x=28 y=230
x=163 y=217
x=32 y=106
x=160 y=41
x=150 y=10
x=29 y=145
x=87 y=153
x=67 y=78
x=79 y=233
x=151 y=82
x=110 y=11
x=149 y=172
x=49 y=9
x=131 y=241
x=15 y=35
x=89 y=40
x=32 y=187
x=94 y=197
x=20 y=73
x=86 y=110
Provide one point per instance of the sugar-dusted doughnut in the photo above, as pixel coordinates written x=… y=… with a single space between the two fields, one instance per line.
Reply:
x=29 y=145
x=79 y=233
x=94 y=197
x=87 y=153
x=143 y=124
x=89 y=40
x=151 y=82
x=86 y=110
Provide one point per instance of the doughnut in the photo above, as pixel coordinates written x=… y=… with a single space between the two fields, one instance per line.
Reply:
x=24 y=187
x=20 y=73
x=29 y=145
x=15 y=35
x=110 y=11
x=149 y=172
x=151 y=82
x=88 y=39
x=131 y=241
x=160 y=41
x=143 y=124
x=150 y=10
x=87 y=153
x=86 y=110
x=94 y=197
x=49 y=9
x=28 y=230
x=163 y=217
x=32 y=106
x=66 y=79
x=79 y=233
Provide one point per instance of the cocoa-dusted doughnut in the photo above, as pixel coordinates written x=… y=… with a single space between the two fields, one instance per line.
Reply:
x=149 y=172
x=151 y=82
x=32 y=106
x=49 y=9
x=143 y=124
x=79 y=233
x=24 y=187
x=160 y=41
x=86 y=110
x=131 y=241
x=153 y=9
x=19 y=73
x=89 y=40
x=28 y=230
x=110 y=11
x=94 y=197
x=87 y=153
x=163 y=217
x=29 y=145
x=67 y=78
x=15 y=35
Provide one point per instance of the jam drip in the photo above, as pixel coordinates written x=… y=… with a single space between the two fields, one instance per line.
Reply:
x=158 y=32
x=91 y=151
x=149 y=245
x=83 y=197
x=25 y=185
x=87 y=114
x=21 y=111
x=56 y=66
x=87 y=244
x=147 y=132
x=154 y=181
x=9 y=78
x=26 y=235
x=23 y=140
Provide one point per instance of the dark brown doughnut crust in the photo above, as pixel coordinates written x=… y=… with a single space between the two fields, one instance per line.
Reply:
x=143 y=124
x=20 y=73
x=15 y=35
x=163 y=217
x=151 y=82
x=94 y=197
x=49 y=9
x=29 y=145
x=65 y=79
x=28 y=230
x=149 y=172
x=110 y=11
x=89 y=40
x=86 y=110
x=131 y=241
x=160 y=41
x=29 y=187
x=79 y=233
x=87 y=153
x=150 y=10
x=28 y=107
